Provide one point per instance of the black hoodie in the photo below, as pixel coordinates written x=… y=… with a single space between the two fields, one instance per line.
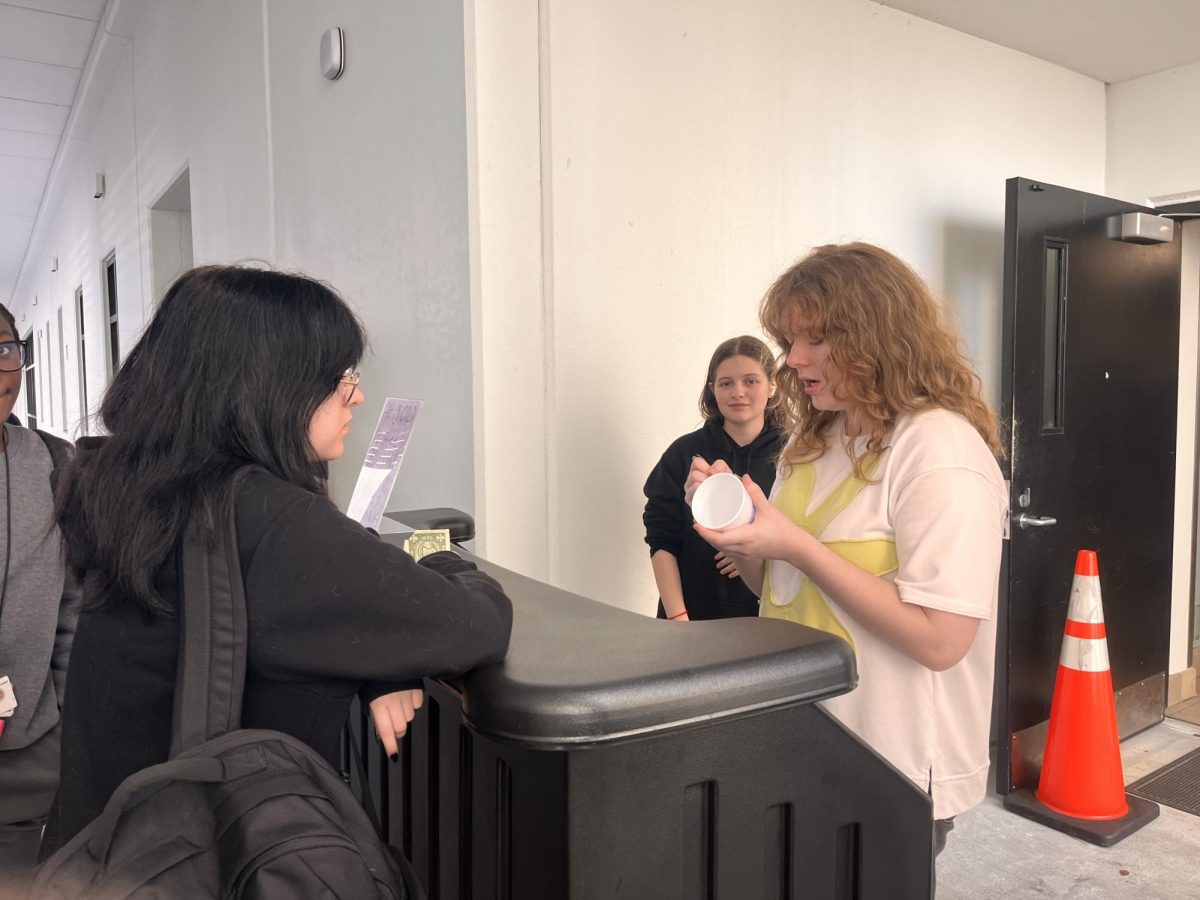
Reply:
x=707 y=593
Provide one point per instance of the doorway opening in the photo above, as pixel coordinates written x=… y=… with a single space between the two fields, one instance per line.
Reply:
x=171 y=235
x=1183 y=702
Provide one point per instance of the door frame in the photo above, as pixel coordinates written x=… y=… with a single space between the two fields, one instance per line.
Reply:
x=1185 y=603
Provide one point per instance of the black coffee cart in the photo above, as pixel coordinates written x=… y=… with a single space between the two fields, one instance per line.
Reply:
x=613 y=755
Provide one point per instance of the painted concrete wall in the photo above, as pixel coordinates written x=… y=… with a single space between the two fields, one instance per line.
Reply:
x=687 y=154
x=370 y=193
x=361 y=182
x=1152 y=135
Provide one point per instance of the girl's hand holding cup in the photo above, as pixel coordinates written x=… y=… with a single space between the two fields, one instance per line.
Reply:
x=769 y=535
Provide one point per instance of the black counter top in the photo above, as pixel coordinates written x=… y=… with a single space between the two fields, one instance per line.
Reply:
x=579 y=671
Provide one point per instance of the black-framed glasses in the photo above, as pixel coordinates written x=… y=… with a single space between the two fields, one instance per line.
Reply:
x=14 y=356
x=347 y=385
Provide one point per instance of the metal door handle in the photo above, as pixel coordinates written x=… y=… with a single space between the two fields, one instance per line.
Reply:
x=1026 y=521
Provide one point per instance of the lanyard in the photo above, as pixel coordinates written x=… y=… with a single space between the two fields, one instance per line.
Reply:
x=8 y=524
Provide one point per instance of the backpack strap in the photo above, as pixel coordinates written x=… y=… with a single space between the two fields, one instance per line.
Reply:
x=61 y=453
x=211 y=674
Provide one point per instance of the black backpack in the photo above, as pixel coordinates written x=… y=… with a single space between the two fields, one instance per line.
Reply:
x=234 y=813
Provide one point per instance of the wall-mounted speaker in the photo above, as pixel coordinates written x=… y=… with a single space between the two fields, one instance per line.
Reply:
x=333 y=53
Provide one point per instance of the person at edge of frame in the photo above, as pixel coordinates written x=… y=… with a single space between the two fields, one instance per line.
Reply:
x=39 y=603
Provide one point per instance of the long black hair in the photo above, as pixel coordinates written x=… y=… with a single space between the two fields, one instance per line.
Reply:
x=229 y=372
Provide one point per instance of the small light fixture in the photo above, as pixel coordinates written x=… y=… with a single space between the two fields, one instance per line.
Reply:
x=333 y=53
x=99 y=185
x=54 y=264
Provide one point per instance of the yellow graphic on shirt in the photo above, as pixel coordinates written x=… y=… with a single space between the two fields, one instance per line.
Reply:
x=874 y=555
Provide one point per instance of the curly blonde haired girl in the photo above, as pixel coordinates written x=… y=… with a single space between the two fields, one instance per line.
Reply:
x=886 y=336
x=886 y=519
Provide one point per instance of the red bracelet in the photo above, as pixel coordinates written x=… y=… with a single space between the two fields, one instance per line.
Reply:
x=677 y=615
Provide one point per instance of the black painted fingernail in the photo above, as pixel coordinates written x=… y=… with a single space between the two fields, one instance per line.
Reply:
x=393 y=756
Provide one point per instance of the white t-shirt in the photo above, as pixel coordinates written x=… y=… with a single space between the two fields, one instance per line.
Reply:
x=940 y=496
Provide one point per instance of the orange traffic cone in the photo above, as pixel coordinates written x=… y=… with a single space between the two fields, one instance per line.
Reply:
x=1082 y=786
x=1081 y=768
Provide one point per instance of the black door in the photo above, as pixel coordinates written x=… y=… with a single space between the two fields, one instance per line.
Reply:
x=1089 y=387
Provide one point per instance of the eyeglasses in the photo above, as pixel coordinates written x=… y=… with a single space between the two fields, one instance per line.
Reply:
x=13 y=356
x=347 y=385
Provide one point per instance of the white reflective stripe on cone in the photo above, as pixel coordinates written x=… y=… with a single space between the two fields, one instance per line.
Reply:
x=1085 y=603
x=1084 y=654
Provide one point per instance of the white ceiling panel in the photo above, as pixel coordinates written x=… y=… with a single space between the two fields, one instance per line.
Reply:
x=20 y=196
x=45 y=37
x=24 y=143
x=37 y=81
x=81 y=9
x=14 y=238
x=24 y=167
x=1104 y=39
x=39 y=118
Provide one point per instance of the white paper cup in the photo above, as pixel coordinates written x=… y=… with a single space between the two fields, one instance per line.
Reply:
x=721 y=502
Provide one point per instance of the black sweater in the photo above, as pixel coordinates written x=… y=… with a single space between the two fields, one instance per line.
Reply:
x=707 y=593
x=331 y=610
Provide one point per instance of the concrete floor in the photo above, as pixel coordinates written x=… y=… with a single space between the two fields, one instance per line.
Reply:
x=993 y=853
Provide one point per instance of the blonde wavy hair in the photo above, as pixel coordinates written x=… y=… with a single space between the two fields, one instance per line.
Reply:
x=886 y=336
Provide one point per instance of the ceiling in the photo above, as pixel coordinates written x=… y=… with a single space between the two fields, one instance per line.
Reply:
x=1108 y=40
x=45 y=44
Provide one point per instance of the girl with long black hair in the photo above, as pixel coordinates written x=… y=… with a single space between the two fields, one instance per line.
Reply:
x=243 y=367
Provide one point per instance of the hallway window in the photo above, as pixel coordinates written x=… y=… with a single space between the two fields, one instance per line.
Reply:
x=110 y=304
x=81 y=355
x=30 y=383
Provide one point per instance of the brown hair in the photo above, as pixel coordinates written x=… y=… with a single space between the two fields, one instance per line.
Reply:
x=751 y=348
x=885 y=334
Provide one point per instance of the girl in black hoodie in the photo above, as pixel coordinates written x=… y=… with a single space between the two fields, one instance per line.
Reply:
x=740 y=407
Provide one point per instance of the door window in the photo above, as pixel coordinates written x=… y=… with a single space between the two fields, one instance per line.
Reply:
x=1054 y=309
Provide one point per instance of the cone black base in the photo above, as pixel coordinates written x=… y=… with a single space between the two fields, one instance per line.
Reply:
x=1105 y=833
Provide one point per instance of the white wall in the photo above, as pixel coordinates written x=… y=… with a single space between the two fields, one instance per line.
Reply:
x=550 y=266
x=361 y=182
x=687 y=154
x=154 y=105
x=1153 y=134
x=81 y=231
x=370 y=187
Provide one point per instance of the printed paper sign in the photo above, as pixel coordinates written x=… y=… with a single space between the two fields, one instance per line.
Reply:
x=382 y=464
